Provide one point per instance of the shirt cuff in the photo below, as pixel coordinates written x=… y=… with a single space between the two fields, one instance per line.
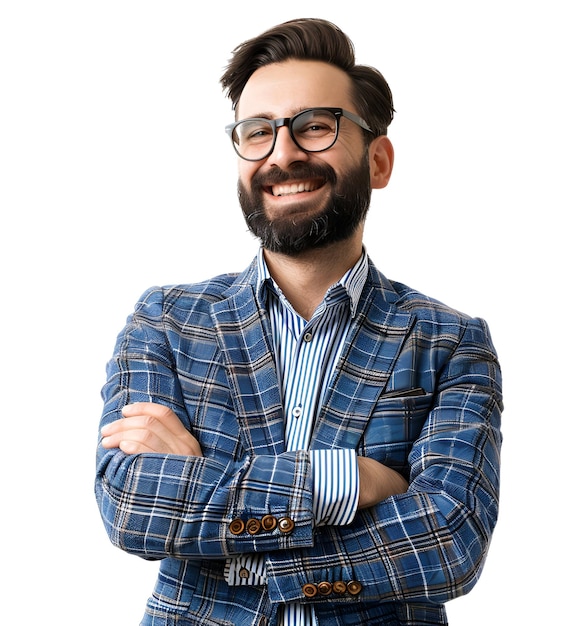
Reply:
x=335 y=486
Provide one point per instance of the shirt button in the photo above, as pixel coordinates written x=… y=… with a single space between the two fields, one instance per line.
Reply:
x=286 y=525
x=244 y=573
x=308 y=337
x=297 y=411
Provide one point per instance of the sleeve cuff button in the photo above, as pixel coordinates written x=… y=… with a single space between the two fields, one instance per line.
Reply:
x=268 y=523
x=286 y=525
x=310 y=590
x=236 y=526
x=354 y=587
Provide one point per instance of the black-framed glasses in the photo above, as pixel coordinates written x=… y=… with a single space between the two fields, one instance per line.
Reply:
x=312 y=130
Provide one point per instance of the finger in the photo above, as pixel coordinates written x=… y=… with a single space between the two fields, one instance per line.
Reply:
x=150 y=434
x=178 y=438
x=143 y=422
x=133 y=447
x=147 y=440
x=157 y=411
x=127 y=446
x=130 y=423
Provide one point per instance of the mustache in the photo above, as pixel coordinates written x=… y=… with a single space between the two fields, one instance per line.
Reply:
x=277 y=176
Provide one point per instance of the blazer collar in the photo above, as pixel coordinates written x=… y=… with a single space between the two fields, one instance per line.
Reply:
x=353 y=281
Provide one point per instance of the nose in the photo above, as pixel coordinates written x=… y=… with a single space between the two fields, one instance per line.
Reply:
x=285 y=150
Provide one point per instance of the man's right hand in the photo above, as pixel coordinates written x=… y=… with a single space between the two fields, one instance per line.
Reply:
x=150 y=427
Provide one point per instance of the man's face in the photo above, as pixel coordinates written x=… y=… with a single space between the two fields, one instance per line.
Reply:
x=293 y=200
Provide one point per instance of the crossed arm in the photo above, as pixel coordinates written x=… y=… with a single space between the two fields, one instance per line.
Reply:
x=429 y=542
x=150 y=427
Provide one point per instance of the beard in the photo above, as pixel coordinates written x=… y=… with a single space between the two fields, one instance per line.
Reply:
x=336 y=221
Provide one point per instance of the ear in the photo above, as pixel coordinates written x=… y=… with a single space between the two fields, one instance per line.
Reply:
x=380 y=161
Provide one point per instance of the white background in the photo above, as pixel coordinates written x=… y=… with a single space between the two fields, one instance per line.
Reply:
x=115 y=174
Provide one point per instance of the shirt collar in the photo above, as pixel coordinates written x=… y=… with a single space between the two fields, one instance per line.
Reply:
x=352 y=281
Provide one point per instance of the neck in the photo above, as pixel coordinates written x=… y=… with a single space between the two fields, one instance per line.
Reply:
x=305 y=279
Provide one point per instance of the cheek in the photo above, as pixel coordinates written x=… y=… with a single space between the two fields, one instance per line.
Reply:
x=352 y=150
x=246 y=170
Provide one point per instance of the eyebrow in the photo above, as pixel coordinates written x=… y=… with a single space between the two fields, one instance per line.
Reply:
x=270 y=116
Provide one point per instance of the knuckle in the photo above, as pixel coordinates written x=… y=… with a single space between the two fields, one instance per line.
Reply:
x=149 y=421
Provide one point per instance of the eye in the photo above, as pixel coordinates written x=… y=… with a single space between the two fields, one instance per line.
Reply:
x=317 y=128
x=314 y=124
x=254 y=131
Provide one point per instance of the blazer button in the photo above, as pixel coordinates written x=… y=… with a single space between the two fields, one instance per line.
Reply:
x=325 y=588
x=286 y=525
x=340 y=587
x=268 y=523
x=354 y=587
x=253 y=526
x=310 y=590
x=236 y=526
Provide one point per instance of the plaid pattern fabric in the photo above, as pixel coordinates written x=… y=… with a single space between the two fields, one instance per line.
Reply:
x=416 y=387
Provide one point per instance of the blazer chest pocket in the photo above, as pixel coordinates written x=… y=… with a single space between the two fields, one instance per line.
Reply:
x=394 y=425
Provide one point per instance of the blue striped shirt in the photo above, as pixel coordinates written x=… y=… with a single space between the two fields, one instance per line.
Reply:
x=306 y=354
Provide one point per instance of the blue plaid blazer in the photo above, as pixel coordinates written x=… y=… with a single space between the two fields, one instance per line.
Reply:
x=417 y=387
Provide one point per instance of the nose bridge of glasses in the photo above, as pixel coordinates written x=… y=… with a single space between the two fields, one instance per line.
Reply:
x=280 y=123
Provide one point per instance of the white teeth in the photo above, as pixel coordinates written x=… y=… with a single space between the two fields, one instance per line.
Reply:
x=287 y=190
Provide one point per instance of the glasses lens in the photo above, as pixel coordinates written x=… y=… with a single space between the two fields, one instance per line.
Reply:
x=315 y=130
x=253 y=138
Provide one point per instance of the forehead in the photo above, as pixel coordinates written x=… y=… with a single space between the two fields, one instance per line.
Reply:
x=282 y=89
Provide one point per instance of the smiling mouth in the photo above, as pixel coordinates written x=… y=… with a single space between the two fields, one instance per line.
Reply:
x=291 y=189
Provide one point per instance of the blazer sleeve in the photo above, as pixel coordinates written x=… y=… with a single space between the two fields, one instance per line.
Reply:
x=429 y=544
x=156 y=505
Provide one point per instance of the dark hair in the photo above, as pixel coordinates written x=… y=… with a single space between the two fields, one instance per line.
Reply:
x=316 y=40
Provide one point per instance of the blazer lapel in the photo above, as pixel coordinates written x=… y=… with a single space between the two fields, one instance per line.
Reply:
x=244 y=336
x=367 y=361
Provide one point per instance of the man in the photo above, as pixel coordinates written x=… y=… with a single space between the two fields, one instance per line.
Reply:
x=305 y=443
